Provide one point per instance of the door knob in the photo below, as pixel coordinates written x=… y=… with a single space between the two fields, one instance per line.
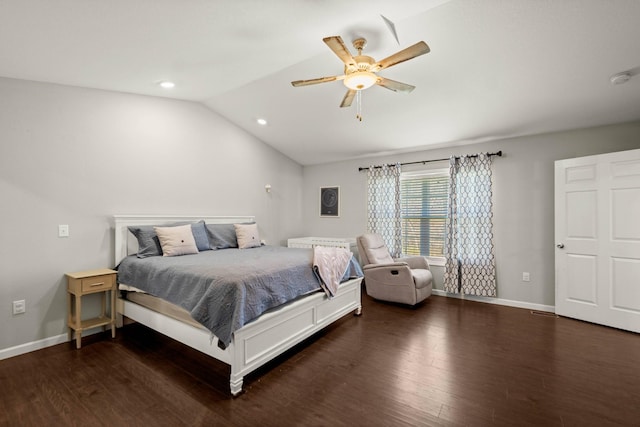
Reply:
x=560 y=245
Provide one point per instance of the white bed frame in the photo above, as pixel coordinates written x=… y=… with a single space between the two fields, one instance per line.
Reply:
x=255 y=343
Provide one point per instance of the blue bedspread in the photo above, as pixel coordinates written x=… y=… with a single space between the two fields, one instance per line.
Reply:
x=226 y=289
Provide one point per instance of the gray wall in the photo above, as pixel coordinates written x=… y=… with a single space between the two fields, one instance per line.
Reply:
x=77 y=156
x=523 y=200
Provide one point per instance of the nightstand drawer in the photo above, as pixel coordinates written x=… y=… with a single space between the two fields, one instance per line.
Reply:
x=97 y=283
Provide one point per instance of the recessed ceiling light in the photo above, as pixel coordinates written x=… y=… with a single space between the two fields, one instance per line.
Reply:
x=261 y=121
x=167 y=85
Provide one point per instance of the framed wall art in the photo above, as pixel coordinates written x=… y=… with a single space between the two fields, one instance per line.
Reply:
x=330 y=202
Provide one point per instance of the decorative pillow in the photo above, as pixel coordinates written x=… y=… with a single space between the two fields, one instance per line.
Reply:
x=149 y=245
x=200 y=236
x=176 y=240
x=222 y=236
x=247 y=235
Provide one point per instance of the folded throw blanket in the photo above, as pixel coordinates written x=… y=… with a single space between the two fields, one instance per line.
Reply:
x=330 y=265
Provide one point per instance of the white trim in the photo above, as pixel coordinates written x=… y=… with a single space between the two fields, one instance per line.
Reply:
x=498 y=301
x=33 y=346
x=43 y=343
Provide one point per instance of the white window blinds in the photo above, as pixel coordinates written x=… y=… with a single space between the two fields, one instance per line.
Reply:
x=423 y=201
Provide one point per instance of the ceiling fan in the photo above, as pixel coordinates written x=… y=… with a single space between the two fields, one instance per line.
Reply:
x=360 y=71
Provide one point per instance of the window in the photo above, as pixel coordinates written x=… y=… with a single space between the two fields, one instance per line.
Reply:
x=423 y=202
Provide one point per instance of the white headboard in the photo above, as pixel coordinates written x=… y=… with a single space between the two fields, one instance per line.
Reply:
x=127 y=244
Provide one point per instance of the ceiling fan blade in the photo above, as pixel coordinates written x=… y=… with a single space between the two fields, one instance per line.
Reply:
x=338 y=47
x=394 y=85
x=348 y=98
x=411 y=52
x=316 y=81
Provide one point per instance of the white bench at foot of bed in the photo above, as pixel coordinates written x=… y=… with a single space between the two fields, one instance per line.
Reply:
x=261 y=340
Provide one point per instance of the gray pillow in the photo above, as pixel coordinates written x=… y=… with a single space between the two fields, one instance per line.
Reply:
x=200 y=234
x=149 y=244
x=222 y=236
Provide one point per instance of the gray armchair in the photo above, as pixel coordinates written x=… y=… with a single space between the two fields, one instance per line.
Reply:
x=404 y=280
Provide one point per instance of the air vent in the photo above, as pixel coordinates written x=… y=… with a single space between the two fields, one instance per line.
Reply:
x=543 y=313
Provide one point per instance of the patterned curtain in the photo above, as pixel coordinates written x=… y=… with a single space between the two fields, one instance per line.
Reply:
x=383 y=203
x=470 y=261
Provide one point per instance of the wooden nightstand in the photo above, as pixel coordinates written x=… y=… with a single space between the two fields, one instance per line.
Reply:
x=85 y=283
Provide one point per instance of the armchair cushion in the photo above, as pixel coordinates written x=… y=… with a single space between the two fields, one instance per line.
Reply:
x=375 y=250
x=422 y=278
x=415 y=262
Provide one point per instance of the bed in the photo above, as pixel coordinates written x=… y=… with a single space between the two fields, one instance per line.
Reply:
x=253 y=344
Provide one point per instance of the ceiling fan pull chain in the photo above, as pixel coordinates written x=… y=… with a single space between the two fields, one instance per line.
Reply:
x=359 y=105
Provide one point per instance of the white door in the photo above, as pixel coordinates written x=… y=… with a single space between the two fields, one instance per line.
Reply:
x=597 y=220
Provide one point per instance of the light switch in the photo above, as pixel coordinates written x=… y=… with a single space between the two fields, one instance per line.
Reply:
x=19 y=307
x=63 y=230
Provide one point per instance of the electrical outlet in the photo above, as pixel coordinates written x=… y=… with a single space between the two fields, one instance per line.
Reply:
x=526 y=277
x=63 y=230
x=19 y=307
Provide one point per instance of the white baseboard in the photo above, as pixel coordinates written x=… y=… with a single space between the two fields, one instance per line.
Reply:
x=32 y=346
x=499 y=301
x=6 y=353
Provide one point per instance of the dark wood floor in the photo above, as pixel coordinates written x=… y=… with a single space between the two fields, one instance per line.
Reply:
x=446 y=362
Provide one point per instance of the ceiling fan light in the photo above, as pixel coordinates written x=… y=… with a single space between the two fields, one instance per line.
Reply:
x=165 y=84
x=360 y=80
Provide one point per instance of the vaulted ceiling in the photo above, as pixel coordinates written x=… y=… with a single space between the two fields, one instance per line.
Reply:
x=496 y=68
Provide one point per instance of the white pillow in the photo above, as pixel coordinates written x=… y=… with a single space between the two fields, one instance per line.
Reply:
x=176 y=240
x=247 y=235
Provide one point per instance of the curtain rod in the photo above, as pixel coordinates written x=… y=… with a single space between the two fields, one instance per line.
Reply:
x=497 y=153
